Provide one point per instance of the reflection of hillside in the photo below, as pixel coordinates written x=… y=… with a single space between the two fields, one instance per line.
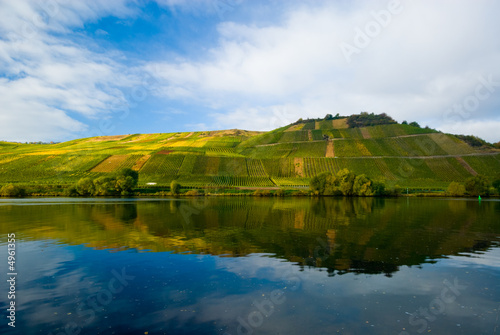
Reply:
x=343 y=235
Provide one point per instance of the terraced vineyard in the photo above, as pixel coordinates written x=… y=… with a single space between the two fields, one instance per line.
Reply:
x=116 y=162
x=288 y=156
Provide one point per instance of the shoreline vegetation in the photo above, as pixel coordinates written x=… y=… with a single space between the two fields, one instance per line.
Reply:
x=343 y=184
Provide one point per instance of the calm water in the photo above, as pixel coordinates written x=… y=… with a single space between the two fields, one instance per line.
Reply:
x=252 y=266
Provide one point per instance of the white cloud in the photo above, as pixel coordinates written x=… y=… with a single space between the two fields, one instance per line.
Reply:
x=49 y=81
x=262 y=73
x=428 y=58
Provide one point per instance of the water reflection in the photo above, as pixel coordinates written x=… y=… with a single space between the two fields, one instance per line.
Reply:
x=341 y=235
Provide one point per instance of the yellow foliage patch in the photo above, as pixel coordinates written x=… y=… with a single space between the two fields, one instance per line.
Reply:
x=110 y=164
x=340 y=124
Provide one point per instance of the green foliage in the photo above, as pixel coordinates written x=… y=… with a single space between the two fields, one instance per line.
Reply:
x=363 y=186
x=364 y=119
x=378 y=188
x=414 y=124
x=496 y=185
x=104 y=186
x=477 y=185
x=344 y=183
x=124 y=185
x=85 y=187
x=473 y=141
x=71 y=191
x=125 y=180
x=192 y=193
x=455 y=189
x=262 y=193
x=11 y=190
x=279 y=193
x=123 y=173
x=175 y=187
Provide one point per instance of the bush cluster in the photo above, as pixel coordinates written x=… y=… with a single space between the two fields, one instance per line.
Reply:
x=121 y=183
x=364 y=120
x=474 y=186
x=13 y=191
x=345 y=183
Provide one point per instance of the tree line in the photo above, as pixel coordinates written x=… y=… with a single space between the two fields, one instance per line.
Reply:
x=347 y=183
x=475 y=186
x=122 y=183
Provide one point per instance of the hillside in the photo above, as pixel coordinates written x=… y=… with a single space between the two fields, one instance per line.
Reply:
x=401 y=154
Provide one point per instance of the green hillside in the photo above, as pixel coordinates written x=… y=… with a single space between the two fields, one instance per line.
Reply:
x=401 y=154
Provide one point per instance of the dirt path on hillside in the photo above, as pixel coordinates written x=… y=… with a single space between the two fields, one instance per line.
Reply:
x=466 y=166
x=299 y=163
x=333 y=139
x=330 y=150
x=366 y=133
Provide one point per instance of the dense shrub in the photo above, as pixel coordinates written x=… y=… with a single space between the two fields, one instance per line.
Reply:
x=262 y=193
x=473 y=141
x=345 y=183
x=122 y=183
x=85 y=187
x=193 y=193
x=279 y=193
x=364 y=119
x=455 y=189
x=11 y=190
x=175 y=187
x=71 y=191
x=478 y=185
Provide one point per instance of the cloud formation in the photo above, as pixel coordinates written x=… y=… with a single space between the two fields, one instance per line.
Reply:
x=50 y=75
x=415 y=64
x=412 y=60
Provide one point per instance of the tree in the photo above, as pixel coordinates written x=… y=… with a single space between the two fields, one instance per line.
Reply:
x=71 y=191
x=175 y=187
x=129 y=173
x=126 y=180
x=477 y=185
x=414 y=124
x=328 y=117
x=104 y=185
x=404 y=122
x=362 y=186
x=11 y=190
x=344 y=183
x=324 y=184
x=473 y=141
x=85 y=186
x=496 y=185
x=378 y=188
x=125 y=185
x=455 y=189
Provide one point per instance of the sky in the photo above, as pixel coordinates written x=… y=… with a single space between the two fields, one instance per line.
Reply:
x=71 y=69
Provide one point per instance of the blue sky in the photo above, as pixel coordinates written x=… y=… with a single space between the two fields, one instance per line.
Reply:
x=71 y=69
